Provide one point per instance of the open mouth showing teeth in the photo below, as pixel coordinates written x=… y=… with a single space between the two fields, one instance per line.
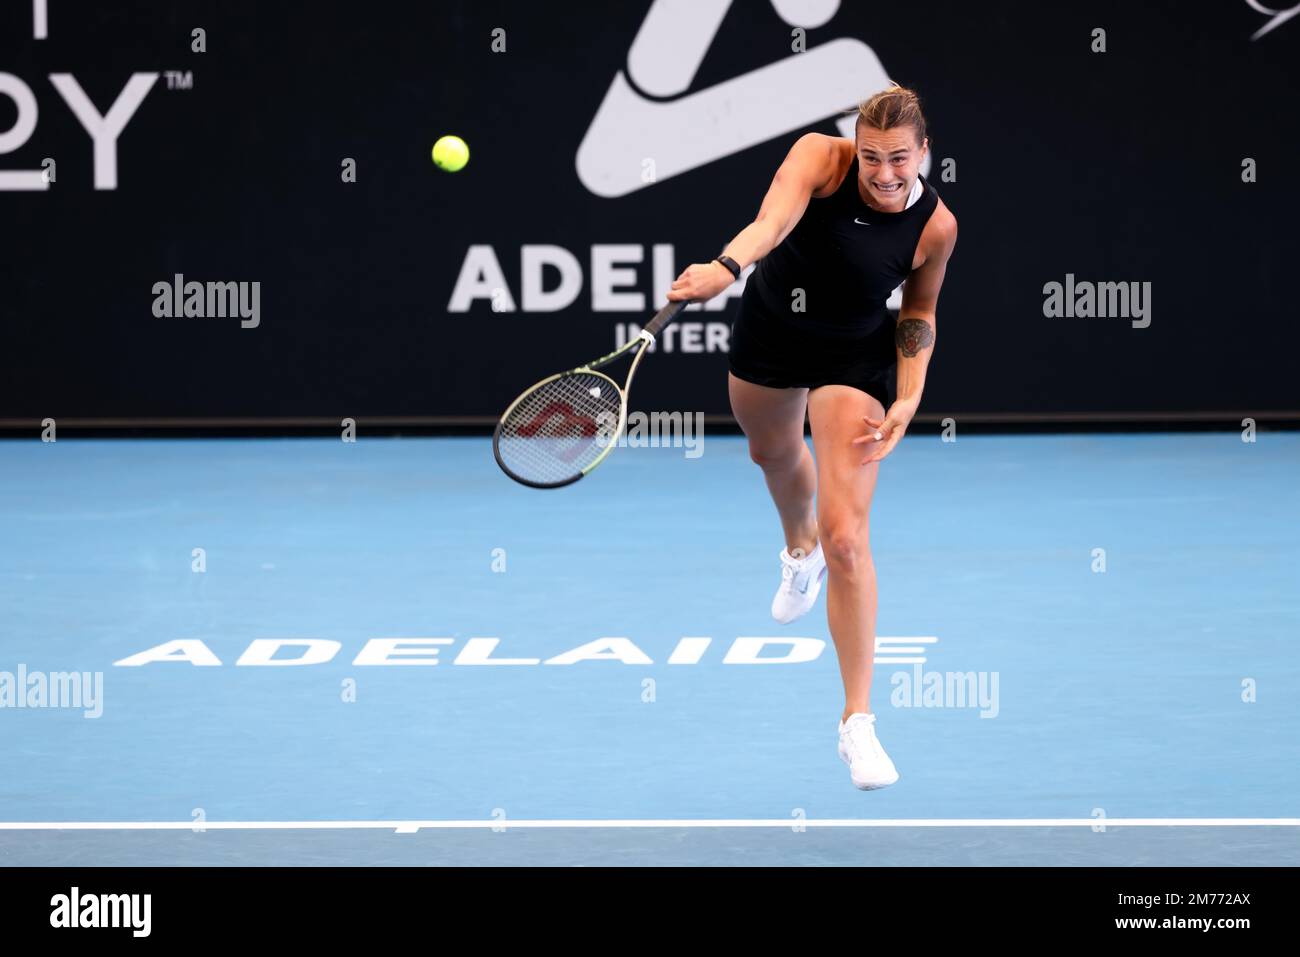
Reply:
x=895 y=187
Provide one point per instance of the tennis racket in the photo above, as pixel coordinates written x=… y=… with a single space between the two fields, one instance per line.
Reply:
x=566 y=425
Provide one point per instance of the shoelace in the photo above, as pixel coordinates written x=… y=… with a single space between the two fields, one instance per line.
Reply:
x=788 y=567
x=859 y=749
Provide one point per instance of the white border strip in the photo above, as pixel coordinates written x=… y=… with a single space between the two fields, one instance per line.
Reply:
x=410 y=827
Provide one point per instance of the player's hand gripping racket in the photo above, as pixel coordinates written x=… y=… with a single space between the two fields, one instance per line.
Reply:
x=563 y=427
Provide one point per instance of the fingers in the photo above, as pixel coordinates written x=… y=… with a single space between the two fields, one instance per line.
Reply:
x=884 y=449
x=876 y=435
x=880 y=426
x=869 y=437
x=697 y=283
x=885 y=431
x=684 y=287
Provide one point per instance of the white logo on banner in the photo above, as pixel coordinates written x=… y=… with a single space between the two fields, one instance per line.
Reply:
x=103 y=129
x=682 y=132
x=1279 y=17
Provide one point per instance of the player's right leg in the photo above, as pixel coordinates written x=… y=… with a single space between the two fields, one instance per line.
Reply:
x=773 y=422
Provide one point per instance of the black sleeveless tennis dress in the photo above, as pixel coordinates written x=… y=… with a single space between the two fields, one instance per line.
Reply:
x=838 y=265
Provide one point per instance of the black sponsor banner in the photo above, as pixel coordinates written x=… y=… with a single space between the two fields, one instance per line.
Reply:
x=1131 y=160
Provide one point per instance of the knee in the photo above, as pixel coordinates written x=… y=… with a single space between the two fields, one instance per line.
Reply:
x=777 y=457
x=847 y=547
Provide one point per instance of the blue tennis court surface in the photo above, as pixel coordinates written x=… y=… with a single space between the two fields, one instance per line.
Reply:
x=1123 y=609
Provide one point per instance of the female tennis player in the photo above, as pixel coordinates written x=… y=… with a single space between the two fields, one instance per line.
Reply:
x=842 y=225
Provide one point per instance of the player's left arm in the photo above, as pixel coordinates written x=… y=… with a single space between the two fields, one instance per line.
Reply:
x=915 y=333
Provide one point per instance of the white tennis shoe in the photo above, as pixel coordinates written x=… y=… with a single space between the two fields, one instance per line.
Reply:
x=860 y=749
x=801 y=582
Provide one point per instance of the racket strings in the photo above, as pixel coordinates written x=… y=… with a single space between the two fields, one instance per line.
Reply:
x=560 y=428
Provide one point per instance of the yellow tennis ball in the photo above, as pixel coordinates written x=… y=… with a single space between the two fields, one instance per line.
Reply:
x=450 y=153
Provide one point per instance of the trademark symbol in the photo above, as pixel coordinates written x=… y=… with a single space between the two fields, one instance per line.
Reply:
x=176 y=80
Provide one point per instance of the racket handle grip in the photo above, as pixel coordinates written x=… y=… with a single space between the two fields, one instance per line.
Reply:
x=666 y=315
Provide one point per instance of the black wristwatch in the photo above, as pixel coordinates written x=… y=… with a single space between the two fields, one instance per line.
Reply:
x=732 y=266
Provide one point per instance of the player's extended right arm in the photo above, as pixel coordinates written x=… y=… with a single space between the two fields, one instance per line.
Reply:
x=807 y=167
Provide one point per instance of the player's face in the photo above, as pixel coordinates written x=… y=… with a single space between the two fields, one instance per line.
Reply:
x=889 y=161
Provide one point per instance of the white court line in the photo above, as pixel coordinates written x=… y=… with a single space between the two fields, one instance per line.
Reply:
x=410 y=827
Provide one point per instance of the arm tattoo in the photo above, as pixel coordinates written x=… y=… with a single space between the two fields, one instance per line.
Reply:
x=913 y=335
